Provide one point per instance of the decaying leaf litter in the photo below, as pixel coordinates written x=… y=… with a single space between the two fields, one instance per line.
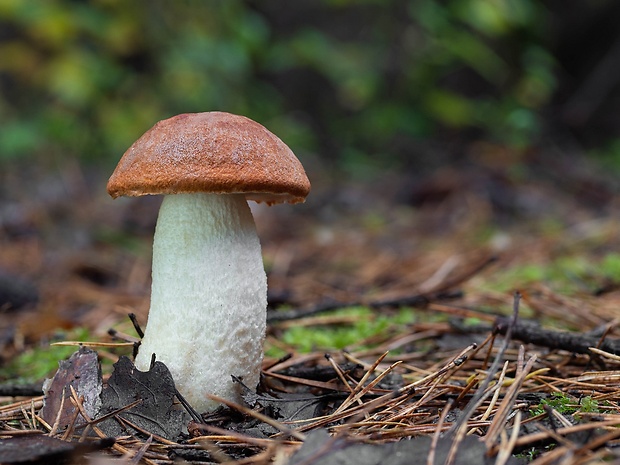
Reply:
x=453 y=249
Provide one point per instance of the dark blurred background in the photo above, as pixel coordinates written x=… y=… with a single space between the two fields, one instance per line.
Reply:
x=434 y=132
x=357 y=87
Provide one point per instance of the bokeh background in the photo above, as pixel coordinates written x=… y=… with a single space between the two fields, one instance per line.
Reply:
x=437 y=134
x=359 y=86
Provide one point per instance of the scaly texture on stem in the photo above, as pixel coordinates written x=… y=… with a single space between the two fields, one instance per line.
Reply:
x=209 y=296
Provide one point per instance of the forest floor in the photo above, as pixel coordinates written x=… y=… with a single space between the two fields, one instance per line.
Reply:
x=471 y=317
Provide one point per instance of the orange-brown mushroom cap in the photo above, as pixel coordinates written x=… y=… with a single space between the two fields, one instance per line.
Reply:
x=211 y=152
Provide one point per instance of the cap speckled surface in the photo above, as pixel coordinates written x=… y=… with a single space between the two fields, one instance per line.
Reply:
x=212 y=152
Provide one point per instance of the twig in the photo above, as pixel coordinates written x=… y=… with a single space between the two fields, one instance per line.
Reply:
x=496 y=391
x=56 y=424
x=93 y=344
x=342 y=377
x=275 y=316
x=360 y=390
x=138 y=456
x=136 y=325
x=508 y=444
x=531 y=333
x=435 y=439
x=124 y=422
x=509 y=400
x=482 y=392
x=258 y=416
x=186 y=405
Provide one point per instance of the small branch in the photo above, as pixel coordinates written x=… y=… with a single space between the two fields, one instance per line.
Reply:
x=483 y=390
x=531 y=333
x=136 y=324
x=415 y=300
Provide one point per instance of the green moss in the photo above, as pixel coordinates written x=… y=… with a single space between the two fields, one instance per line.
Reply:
x=566 y=274
x=610 y=266
x=565 y=405
x=41 y=362
x=557 y=401
x=589 y=405
x=365 y=324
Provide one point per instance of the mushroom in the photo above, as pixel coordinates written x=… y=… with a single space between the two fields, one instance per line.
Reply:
x=207 y=316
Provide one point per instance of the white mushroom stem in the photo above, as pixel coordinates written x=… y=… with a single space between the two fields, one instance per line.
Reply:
x=209 y=297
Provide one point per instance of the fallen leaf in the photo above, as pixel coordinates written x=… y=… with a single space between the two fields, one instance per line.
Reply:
x=157 y=413
x=83 y=372
x=40 y=449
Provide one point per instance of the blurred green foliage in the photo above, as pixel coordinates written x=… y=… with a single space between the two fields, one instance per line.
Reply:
x=364 y=325
x=568 y=274
x=357 y=82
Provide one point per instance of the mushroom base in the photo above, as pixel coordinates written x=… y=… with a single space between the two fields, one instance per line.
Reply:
x=209 y=297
